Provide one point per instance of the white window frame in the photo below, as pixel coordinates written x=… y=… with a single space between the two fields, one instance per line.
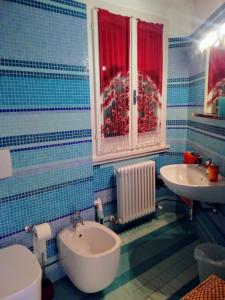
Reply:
x=206 y=108
x=93 y=5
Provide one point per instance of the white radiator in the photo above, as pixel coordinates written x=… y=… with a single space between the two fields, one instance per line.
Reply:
x=135 y=191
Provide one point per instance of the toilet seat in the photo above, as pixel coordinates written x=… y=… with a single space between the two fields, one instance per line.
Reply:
x=20 y=274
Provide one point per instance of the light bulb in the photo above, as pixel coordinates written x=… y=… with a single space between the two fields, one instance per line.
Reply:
x=222 y=31
x=212 y=38
x=217 y=43
x=203 y=45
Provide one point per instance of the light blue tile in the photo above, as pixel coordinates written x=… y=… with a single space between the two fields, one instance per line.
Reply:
x=178 y=62
x=51 y=154
x=34 y=123
x=20 y=92
x=42 y=35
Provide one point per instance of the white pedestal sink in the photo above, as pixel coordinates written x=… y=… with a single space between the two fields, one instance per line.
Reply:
x=191 y=181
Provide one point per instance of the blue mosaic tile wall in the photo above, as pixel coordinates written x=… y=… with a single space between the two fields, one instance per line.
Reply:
x=186 y=79
x=206 y=136
x=176 y=125
x=44 y=118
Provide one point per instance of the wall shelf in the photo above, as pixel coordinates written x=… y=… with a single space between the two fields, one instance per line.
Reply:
x=208 y=116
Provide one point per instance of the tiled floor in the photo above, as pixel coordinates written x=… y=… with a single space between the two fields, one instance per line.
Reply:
x=156 y=263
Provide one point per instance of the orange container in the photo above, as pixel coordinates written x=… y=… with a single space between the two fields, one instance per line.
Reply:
x=213 y=172
x=212 y=288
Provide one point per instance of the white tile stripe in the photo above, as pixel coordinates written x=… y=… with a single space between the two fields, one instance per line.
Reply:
x=211 y=134
x=42 y=168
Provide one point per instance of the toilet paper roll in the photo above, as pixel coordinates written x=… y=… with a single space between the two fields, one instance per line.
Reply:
x=41 y=233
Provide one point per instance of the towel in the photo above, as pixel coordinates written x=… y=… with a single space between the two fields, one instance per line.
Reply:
x=190 y=158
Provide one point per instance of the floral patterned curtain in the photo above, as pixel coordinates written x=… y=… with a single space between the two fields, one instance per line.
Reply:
x=150 y=60
x=216 y=75
x=114 y=58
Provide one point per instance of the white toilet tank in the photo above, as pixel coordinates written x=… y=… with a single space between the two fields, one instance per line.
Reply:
x=20 y=274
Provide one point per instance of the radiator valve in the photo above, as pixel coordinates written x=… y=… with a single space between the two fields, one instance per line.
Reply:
x=158 y=206
x=114 y=220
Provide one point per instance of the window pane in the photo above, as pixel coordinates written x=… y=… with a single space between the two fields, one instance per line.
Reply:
x=114 y=57
x=150 y=56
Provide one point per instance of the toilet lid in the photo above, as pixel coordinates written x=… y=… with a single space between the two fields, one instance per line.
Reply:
x=19 y=269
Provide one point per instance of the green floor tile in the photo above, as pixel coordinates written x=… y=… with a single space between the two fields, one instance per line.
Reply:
x=176 y=284
x=158 y=283
x=167 y=290
x=148 y=275
x=131 y=287
x=156 y=261
x=165 y=277
x=138 y=295
x=158 y=296
x=148 y=289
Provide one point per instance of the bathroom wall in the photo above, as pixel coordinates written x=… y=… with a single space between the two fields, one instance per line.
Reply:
x=177 y=109
x=206 y=136
x=186 y=81
x=45 y=120
x=44 y=117
x=177 y=101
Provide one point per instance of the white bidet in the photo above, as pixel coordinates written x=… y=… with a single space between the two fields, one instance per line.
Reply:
x=89 y=255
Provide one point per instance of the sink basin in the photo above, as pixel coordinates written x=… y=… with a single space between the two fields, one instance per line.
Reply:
x=191 y=181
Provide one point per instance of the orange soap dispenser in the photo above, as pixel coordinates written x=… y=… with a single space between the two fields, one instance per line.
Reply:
x=213 y=172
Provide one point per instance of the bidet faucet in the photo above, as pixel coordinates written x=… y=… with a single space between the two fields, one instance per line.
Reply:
x=77 y=219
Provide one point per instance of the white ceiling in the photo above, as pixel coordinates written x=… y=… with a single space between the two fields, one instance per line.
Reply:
x=202 y=9
x=183 y=16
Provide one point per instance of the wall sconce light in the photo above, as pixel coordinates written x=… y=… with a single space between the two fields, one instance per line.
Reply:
x=213 y=39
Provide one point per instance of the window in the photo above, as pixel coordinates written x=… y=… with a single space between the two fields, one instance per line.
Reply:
x=128 y=74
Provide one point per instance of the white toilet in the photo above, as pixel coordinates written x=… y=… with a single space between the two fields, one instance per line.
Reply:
x=20 y=274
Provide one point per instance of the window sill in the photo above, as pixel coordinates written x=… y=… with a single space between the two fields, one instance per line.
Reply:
x=110 y=158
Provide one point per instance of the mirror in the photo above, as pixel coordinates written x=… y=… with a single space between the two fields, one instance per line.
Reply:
x=212 y=48
x=215 y=81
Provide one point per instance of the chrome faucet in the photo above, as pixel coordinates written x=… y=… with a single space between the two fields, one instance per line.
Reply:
x=76 y=219
x=199 y=160
x=205 y=163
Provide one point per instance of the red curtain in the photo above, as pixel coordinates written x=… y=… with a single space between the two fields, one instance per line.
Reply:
x=150 y=61
x=216 y=67
x=150 y=51
x=114 y=58
x=114 y=45
x=216 y=75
